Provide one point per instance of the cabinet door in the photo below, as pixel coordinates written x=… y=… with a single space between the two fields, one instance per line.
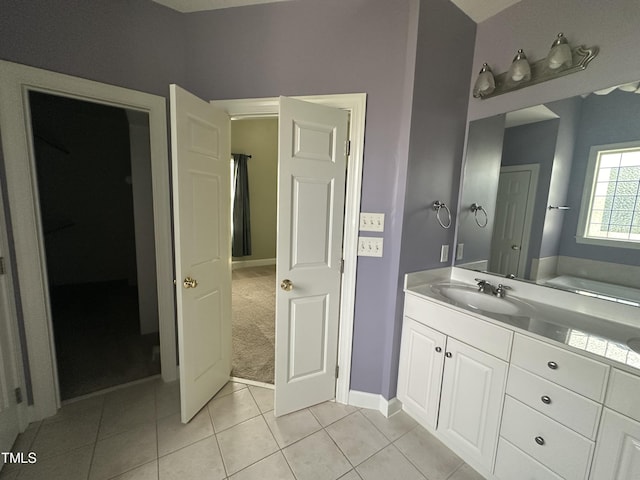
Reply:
x=420 y=371
x=472 y=395
x=617 y=449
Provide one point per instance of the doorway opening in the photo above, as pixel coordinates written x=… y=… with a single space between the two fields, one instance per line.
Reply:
x=93 y=171
x=253 y=284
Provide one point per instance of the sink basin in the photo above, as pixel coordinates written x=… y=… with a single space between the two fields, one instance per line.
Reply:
x=472 y=298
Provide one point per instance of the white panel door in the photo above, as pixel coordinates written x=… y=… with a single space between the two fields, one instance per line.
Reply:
x=508 y=232
x=9 y=423
x=311 y=190
x=618 y=448
x=420 y=370
x=473 y=387
x=200 y=135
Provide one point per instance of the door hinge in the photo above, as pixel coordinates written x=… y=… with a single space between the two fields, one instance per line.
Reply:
x=18 y=392
x=337 y=371
x=342 y=265
x=347 y=149
x=2 y=268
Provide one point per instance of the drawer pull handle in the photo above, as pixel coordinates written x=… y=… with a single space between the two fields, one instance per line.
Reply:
x=448 y=354
x=540 y=440
x=438 y=349
x=545 y=399
x=552 y=365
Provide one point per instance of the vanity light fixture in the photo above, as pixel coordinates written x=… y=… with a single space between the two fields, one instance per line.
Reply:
x=561 y=60
x=485 y=84
x=520 y=70
x=560 y=53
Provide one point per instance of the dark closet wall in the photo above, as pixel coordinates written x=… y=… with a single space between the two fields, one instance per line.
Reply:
x=84 y=171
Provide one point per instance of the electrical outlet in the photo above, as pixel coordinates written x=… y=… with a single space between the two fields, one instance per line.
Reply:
x=370 y=246
x=371 y=222
x=460 y=251
x=444 y=253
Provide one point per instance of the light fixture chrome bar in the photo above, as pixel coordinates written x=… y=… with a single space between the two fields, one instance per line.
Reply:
x=540 y=72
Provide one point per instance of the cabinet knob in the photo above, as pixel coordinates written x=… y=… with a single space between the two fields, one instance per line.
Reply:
x=552 y=365
x=545 y=399
x=448 y=354
x=438 y=349
x=540 y=440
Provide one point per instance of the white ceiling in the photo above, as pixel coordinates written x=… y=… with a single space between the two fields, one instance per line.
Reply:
x=477 y=10
x=529 y=115
x=480 y=10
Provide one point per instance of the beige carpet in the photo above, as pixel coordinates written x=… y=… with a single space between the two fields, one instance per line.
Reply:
x=253 y=329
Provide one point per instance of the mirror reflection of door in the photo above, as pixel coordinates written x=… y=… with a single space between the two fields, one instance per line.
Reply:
x=510 y=240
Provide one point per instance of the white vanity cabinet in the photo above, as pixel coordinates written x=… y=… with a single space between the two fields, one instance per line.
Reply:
x=617 y=454
x=552 y=411
x=420 y=372
x=449 y=386
x=513 y=405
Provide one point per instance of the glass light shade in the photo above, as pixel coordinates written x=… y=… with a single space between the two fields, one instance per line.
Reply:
x=485 y=83
x=560 y=53
x=520 y=70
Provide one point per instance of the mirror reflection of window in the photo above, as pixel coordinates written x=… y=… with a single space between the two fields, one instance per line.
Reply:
x=611 y=202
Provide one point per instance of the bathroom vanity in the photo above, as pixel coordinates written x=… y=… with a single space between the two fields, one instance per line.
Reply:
x=521 y=387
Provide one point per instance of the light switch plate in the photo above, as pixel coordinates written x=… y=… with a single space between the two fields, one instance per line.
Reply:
x=371 y=222
x=370 y=246
x=460 y=251
x=444 y=253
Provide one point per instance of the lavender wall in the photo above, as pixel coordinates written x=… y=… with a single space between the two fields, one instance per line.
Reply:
x=443 y=59
x=134 y=44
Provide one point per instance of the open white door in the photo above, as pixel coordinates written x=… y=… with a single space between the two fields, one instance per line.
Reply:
x=311 y=190
x=200 y=137
x=9 y=377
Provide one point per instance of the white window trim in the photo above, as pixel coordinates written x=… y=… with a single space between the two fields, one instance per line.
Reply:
x=585 y=207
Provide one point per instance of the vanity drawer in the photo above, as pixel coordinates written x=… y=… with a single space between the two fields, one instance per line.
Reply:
x=575 y=372
x=563 y=451
x=484 y=336
x=572 y=410
x=514 y=463
x=623 y=394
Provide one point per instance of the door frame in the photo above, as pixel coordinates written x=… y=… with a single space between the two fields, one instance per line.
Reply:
x=534 y=168
x=16 y=81
x=355 y=104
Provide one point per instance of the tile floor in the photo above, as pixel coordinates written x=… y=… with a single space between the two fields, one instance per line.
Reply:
x=135 y=434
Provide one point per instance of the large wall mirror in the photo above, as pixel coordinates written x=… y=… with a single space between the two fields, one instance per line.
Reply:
x=550 y=194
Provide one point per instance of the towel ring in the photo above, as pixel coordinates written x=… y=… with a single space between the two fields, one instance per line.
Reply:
x=475 y=208
x=437 y=206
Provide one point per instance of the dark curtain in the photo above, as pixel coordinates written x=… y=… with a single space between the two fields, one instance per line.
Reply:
x=241 y=242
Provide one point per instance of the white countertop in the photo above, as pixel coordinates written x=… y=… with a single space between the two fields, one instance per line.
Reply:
x=561 y=317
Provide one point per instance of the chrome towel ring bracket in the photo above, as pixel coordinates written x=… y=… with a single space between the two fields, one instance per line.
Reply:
x=475 y=208
x=437 y=206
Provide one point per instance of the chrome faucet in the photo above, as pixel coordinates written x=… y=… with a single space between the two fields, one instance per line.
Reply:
x=501 y=291
x=484 y=286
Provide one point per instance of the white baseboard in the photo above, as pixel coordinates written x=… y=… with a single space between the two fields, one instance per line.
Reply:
x=375 y=402
x=261 y=262
x=253 y=383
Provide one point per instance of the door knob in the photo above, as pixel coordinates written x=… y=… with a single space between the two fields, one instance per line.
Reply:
x=286 y=285
x=190 y=283
x=515 y=247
